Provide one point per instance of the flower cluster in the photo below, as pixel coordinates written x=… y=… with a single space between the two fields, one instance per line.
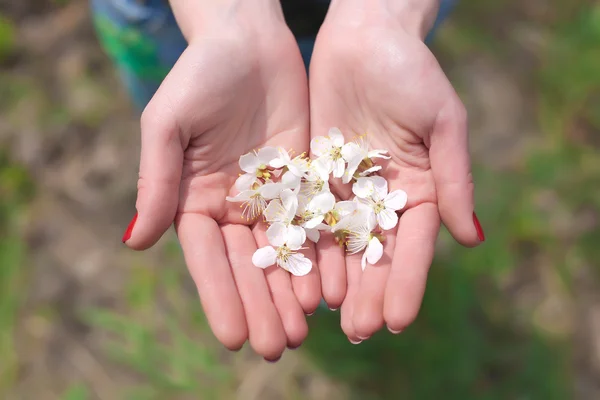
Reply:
x=293 y=196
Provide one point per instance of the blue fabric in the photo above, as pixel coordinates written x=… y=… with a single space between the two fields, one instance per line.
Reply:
x=143 y=39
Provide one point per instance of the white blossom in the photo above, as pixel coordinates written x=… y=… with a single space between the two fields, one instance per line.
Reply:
x=315 y=181
x=314 y=213
x=254 y=201
x=283 y=209
x=328 y=149
x=298 y=165
x=294 y=197
x=358 y=231
x=255 y=165
x=354 y=153
x=373 y=192
x=285 y=242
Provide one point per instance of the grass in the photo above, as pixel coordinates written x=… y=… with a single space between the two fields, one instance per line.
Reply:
x=465 y=343
x=170 y=348
x=472 y=339
x=15 y=191
x=7 y=38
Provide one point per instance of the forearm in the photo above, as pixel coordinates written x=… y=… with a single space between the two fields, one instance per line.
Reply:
x=416 y=16
x=194 y=16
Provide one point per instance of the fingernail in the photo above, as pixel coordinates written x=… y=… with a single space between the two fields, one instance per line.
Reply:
x=363 y=338
x=294 y=348
x=355 y=341
x=333 y=309
x=393 y=331
x=480 y=233
x=129 y=229
x=273 y=361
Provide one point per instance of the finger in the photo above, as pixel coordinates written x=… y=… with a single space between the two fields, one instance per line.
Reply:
x=417 y=232
x=368 y=302
x=205 y=256
x=289 y=309
x=332 y=268
x=161 y=163
x=265 y=332
x=307 y=288
x=354 y=273
x=451 y=166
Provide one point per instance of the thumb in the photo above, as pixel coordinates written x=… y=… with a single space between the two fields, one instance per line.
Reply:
x=161 y=164
x=451 y=166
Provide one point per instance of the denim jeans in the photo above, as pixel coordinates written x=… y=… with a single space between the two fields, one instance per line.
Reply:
x=144 y=41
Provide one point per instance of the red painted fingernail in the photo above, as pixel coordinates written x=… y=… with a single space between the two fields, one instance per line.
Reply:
x=480 y=233
x=129 y=229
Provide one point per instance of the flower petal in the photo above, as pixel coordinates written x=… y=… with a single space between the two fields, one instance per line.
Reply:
x=267 y=154
x=374 y=251
x=321 y=167
x=336 y=136
x=363 y=188
x=298 y=265
x=245 y=181
x=277 y=234
x=327 y=162
x=296 y=236
x=313 y=235
x=274 y=211
x=281 y=160
x=396 y=200
x=320 y=145
x=322 y=203
x=313 y=222
x=351 y=169
x=295 y=170
x=369 y=171
x=387 y=219
x=343 y=223
x=249 y=163
x=241 y=197
x=380 y=186
x=271 y=190
x=350 y=151
x=264 y=257
x=289 y=200
x=378 y=154
x=291 y=181
x=363 y=261
x=338 y=168
x=344 y=208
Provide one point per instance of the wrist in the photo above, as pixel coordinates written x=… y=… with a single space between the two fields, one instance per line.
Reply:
x=199 y=17
x=415 y=16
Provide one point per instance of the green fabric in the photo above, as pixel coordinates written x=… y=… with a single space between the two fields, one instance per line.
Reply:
x=131 y=49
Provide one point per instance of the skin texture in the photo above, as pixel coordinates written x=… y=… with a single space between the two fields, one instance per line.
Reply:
x=231 y=91
x=372 y=74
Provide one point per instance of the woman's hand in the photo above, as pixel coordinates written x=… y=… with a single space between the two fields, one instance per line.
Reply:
x=372 y=73
x=239 y=86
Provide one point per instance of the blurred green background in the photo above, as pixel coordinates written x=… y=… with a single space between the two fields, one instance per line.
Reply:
x=517 y=318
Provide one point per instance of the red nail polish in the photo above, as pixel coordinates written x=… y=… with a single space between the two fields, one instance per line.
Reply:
x=480 y=233
x=129 y=229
